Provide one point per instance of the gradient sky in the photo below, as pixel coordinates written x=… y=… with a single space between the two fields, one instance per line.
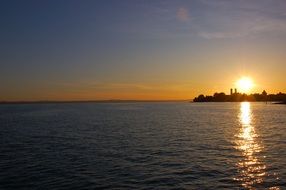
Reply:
x=151 y=49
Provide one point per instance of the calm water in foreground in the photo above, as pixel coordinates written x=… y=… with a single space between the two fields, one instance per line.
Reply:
x=143 y=146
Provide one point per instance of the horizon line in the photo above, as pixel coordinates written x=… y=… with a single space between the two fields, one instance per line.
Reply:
x=91 y=101
x=112 y=100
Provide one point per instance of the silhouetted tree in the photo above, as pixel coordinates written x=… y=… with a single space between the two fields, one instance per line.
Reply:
x=201 y=98
x=264 y=95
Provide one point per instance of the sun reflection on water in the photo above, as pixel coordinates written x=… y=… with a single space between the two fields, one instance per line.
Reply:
x=252 y=169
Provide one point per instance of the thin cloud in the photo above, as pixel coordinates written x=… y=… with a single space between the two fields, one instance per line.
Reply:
x=183 y=14
x=219 y=35
x=260 y=26
x=248 y=18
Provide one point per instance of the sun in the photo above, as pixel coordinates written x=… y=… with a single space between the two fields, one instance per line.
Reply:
x=244 y=84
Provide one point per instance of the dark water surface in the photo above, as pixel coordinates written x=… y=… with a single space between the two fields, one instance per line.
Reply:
x=143 y=146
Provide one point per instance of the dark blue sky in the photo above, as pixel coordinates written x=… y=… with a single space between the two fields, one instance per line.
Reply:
x=138 y=49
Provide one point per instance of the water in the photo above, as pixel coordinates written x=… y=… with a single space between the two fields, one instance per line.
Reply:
x=143 y=146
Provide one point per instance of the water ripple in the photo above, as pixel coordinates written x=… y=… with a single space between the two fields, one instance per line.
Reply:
x=143 y=146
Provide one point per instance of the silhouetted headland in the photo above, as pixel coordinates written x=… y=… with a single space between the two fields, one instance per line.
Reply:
x=279 y=98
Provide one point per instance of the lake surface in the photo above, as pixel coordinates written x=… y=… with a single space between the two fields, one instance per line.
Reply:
x=143 y=146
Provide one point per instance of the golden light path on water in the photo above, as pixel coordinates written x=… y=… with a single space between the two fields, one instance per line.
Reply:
x=251 y=167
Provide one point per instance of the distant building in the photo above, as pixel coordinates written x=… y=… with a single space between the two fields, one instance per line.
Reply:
x=235 y=91
x=231 y=91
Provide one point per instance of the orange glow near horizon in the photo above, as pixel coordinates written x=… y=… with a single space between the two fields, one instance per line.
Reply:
x=174 y=89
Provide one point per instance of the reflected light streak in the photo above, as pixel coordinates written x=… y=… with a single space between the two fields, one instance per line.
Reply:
x=251 y=169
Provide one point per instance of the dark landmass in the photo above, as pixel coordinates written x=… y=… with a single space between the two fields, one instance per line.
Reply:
x=239 y=97
x=86 y=101
x=283 y=102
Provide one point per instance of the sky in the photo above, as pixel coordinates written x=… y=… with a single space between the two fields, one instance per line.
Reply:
x=139 y=49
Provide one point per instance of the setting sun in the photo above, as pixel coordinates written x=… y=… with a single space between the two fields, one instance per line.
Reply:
x=244 y=84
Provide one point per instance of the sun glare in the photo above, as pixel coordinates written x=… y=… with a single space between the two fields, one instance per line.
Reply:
x=244 y=84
